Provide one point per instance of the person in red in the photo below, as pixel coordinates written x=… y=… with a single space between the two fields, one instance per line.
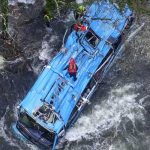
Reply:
x=72 y=69
x=79 y=27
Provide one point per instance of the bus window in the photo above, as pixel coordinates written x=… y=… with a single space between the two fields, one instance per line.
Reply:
x=26 y=120
x=92 y=38
x=29 y=123
x=48 y=135
x=114 y=41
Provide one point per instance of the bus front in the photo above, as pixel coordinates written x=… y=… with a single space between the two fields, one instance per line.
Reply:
x=42 y=127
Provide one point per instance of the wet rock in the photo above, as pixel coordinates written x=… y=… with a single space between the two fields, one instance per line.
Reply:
x=26 y=23
x=22 y=13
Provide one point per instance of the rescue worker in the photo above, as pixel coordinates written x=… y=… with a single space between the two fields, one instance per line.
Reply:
x=47 y=20
x=79 y=13
x=72 y=69
x=79 y=27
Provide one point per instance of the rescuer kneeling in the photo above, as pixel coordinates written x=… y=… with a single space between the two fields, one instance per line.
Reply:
x=72 y=69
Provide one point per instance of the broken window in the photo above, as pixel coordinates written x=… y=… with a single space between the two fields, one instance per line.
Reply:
x=92 y=38
x=31 y=124
x=115 y=42
x=46 y=113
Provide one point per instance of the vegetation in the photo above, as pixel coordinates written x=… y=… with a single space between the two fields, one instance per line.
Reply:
x=54 y=7
x=50 y=8
x=4 y=15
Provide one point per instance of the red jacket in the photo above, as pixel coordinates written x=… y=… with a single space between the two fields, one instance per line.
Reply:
x=80 y=27
x=72 y=68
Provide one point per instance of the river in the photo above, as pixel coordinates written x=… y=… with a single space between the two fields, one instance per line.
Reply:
x=118 y=117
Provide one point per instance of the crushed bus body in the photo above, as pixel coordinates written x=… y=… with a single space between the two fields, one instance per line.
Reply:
x=56 y=100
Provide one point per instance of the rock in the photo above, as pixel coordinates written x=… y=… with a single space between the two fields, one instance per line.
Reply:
x=23 y=13
x=26 y=23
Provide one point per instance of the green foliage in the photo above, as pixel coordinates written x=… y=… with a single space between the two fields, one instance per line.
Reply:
x=137 y=5
x=4 y=13
x=50 y=8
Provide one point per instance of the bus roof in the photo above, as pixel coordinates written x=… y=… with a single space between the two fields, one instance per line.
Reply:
x=54 y=86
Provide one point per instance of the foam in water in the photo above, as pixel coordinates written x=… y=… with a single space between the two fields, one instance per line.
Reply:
x=3 y=129
x=135 y=32
x=1 y=62
x=14 y=2
x=118 y=146
x=79 y=1
x=121 y=103
x=31 y=146
x=69 y=18
x=45 y=52
x=46 y=48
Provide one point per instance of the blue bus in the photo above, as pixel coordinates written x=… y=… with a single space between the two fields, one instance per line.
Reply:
x=56 y=100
